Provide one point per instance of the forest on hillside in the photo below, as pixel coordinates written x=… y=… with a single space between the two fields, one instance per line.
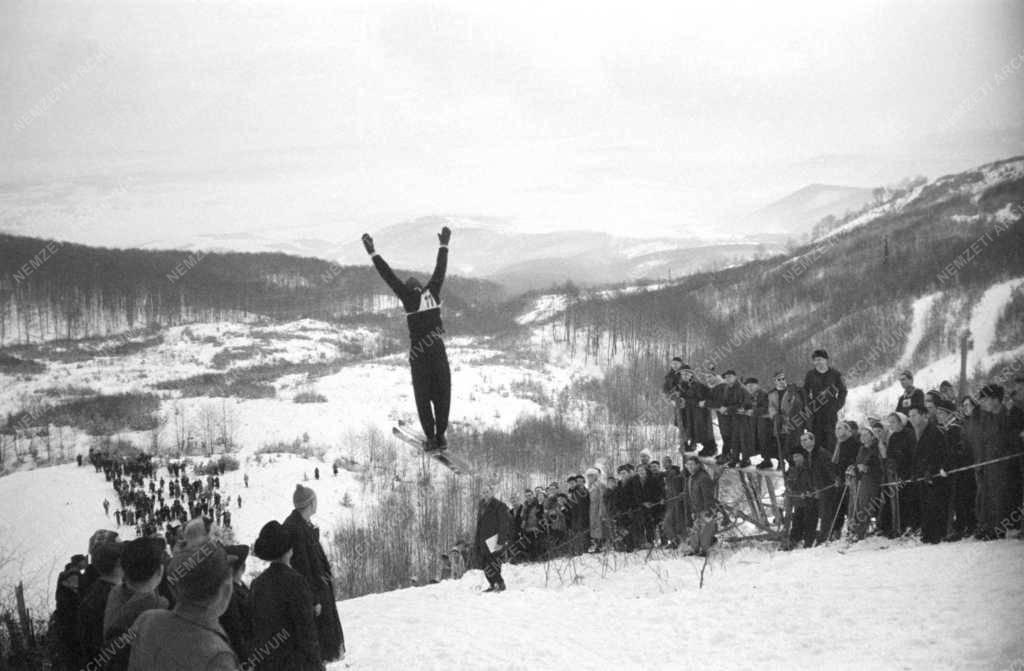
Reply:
x=850 y=293
x=54 y=290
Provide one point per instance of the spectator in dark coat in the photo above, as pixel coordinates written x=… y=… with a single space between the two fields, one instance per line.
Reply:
x=701 y=493
x=824 y=482
x=800 y=503
x=237 y=619
x=628 y=500
x=65 y=617
x=845 y=455
x=652 y=498
x=692 y=398
x=106 y=560
x=911 y=396
x=785 y=408
x=189 y=637
x=492 y=529
x=734 y=413
x=868 y=466
x=825 y=394
x=761 y=425
x=282 y=602
x=929 y=447
x=579 y=514
x=311 y=562
x=990 y=436
x=674 y=523
x=963 y=489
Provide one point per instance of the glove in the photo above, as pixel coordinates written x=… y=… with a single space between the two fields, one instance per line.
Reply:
x=445 y=235
x=368 y=243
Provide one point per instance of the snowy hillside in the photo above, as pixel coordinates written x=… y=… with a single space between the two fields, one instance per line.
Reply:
x=362 y=397
x=904 y=606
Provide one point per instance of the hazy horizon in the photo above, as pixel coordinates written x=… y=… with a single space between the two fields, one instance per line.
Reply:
x=123 y=123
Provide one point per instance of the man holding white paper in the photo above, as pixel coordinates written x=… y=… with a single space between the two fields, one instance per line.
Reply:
x=493 y=522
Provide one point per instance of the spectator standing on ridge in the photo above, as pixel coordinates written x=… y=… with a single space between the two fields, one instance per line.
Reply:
x=491 y=537
x=825 y=395
x=310 y=561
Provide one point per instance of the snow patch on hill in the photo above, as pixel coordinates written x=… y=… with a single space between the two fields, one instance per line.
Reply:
x=879 y=395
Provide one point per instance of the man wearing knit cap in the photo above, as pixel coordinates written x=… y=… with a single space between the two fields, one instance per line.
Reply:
x=310 y=560
x=825 y=392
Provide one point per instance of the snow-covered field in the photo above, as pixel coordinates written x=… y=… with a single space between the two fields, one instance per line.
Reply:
x=953 y=606
x=47 y=514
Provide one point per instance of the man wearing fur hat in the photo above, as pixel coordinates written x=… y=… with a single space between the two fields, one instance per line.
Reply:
x=282 y=601
x=311 y=562
x=825 y=392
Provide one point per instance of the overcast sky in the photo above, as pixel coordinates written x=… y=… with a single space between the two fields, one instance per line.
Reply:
x=630 y=117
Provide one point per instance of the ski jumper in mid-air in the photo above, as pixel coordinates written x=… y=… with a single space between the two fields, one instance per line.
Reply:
x=431 y=376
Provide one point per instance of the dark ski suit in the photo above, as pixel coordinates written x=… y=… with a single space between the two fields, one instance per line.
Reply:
x=431 y=376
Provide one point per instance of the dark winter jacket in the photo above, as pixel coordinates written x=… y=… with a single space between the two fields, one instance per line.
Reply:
x=492 y=518
x=579 y=514
x=912 y=397
x=310 y=561
x=283 y=602
x=237 y=621
x=900 y=451
x=65 y=619
x=422 y=307
x=823 y=470
x=701 y=492
x=848 y=451
x=628 y=495
x=958 y=453
x=929 y=450
x=825 y=392
x=89 y=627
x=735 y=398
x=652 y=490
x=799 y=484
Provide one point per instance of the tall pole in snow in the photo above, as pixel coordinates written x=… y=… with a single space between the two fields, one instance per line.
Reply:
x=965 y=346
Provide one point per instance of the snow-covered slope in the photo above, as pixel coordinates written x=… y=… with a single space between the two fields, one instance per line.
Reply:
x=952 y=606
x=880 y=394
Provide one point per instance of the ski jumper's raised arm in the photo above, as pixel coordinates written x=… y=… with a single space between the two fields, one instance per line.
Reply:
x=389 y=276
x=440 y=268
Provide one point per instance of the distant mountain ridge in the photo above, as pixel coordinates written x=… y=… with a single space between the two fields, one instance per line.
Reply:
x=796 y=214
